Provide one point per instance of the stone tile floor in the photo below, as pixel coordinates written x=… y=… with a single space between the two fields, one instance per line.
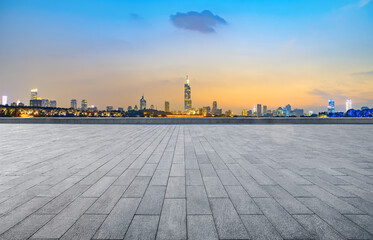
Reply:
x=186 y=181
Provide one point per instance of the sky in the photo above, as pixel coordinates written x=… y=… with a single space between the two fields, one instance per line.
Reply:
x=238 y=52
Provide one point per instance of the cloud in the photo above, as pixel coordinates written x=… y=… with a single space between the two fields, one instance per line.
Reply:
x=360 y=4
x=204 y=22
x=362 y=73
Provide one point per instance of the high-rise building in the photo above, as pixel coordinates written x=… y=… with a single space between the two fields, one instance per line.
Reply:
x=120 y=109
x=35 y=103
x=331 y=108
x=4 y=100
x=73 y=104
x=244 y=112
x=214 y=107
x=187 y=95
x=142 y=103
x=136 y=108
x=264 y=109
x=109 y=108
x=348 y=104
x=84 y=105
x=45 y=103
x=53 y=103
x=34 y=94
x=288 y=110
x=167 y=106
x=259 y=110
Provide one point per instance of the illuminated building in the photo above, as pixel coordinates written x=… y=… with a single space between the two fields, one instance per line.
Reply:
x=259 y=110
x=120 y=109
x=109 y=108
x=4 y=100
x=45 y=103
x=84 y=105
x=244 y=112
x=34 y=94
x=73 y=104
x=92 y=108
x=331 y=108
x=288 y=109
x=18 y=102
x=136 y=108
x=129 y=108
x=348 y=104
x=167 y=106
x=142 y=103
x=35 y=103
x=264 y=109
x=152 y=107
x=187 y=96
x=53 y=103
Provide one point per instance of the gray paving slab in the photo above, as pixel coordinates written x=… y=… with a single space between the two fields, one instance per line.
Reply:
x=186 y=181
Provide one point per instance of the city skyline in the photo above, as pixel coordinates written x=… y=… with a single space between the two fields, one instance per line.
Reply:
x=272 y=52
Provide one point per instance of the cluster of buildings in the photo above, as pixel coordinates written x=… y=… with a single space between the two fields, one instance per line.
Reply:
x=258 y=111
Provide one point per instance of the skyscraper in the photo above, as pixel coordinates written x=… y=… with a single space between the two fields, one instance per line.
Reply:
x=264 y=109
x=288 y=110
x=53 y=103
x=187 y=96
x=331 y=108
x=142 y=103
x=214 y=107
x=259 y=110
x=73 y=104
x=348 y=104
x=45 y=103
x=4 y=100
x=167 y=106
x=34 y=94
x=84 y=105
x=244 y=112
x=109 y=108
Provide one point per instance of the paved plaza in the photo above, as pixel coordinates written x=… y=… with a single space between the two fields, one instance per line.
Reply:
x=186 y=181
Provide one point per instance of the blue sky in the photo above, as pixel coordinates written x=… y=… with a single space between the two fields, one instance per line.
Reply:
x=110 y=52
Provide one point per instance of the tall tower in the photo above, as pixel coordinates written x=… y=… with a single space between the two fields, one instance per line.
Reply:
x=74 y=104
x=348 y=104
x=187 y=95
x=84 y=105
x=331 y=108
x=34 y=94
x=167 y=106
x=142 y=103
x=259 y=110
x=214 y=107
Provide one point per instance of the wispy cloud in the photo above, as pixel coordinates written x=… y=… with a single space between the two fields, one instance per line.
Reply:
x=358 y=5
x=369 y=73
x=204 y=22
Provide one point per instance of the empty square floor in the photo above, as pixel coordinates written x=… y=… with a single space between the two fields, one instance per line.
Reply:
x=186 y=181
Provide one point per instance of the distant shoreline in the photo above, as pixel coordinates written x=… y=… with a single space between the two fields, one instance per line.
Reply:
x=224 y=120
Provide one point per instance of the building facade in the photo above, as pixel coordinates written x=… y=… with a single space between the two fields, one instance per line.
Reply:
x=167 y=106
x=34 y=94
x=348 y=104
x=187 y=95
x=53 y=103
x=84 y=105
x=259 y=110
x=142 y=103
x=73 y=104
x=331 y=108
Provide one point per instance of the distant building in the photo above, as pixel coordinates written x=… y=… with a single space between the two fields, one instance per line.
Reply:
x=364 y=108
x=167 y=106
x=298 y=112
x=92 y=108
x=34 y=94
x=129 y=108
x=84 y=105
x=13 y=104
x=348 y=104
x=187 y=96
x=35 y=103
x=214 y=107
x=331 y=108
x=259 y=110
x=142 y=103
x=244 y=112
x=120 y=109
x=229 y=113
x=45 y=103
x=249 y=113
x=73 y=104
x=152 y=107
x=53 y=103
x=4 y=100
x=288 y=110
x=264 y=109
x=109 y=108
x=136 y=108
